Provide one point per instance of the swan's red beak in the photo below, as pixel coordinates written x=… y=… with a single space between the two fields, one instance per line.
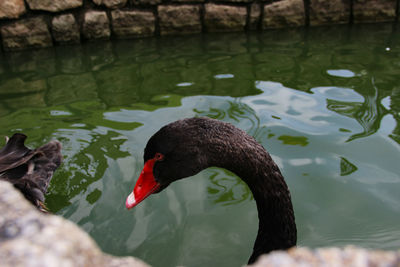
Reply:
x=145 y=185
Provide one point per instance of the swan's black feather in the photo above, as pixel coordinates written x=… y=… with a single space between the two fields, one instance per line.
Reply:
x=193 y=144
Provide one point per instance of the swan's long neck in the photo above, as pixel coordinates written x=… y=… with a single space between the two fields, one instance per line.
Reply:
x=277 y=228
x=249 y=160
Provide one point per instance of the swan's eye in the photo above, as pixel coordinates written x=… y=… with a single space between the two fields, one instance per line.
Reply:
x=158 y=157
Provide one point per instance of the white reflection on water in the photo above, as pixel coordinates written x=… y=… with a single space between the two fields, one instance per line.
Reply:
x=341 y=73
x=224 y=76
x=184 y=84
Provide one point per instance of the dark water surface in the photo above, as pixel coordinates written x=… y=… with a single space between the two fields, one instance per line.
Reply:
x=325 y=102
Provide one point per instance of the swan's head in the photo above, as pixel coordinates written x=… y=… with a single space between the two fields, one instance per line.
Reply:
x=176 y=151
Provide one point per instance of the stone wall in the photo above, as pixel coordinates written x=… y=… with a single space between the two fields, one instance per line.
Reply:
x=43 y=23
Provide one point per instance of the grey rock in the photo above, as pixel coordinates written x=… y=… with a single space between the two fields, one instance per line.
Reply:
x=65 y=29
x=128 y=24
x=348 y=256
x=111 y=3
x=12 y=9
x=181 y=19
x=26 y=33
x=96 y=25
x=31 y=238
x=219 y=18
x=374 y=10
x=53 y=5
x=286 y=13
x=329 y=12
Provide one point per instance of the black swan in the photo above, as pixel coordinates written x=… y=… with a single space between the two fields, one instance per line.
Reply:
x=29 y=170
x=185 y=147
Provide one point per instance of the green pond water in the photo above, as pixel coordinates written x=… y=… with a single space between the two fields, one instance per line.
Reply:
x=325 y=102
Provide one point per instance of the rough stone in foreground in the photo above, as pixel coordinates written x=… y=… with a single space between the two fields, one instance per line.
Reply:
x=330 y=12
x=26 y=33
x=374 y=10
x=53 y=5
x=286 y=13
x=219 y=18
x=111 y=3
x=96 y=25
x=65 y=29
x=31 y=238
x=182 y=19
x=348 y=256
x=12 y=9
x=128 y=24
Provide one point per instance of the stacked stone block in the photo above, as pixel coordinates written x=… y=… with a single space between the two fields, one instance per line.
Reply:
x=179 y=19
x=42 y=23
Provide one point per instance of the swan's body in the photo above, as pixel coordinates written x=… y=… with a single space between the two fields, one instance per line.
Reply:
x=29 y=170
x=184 y=148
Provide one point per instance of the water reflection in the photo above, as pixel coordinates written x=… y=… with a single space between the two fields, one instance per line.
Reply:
x=368 y=114
x=324 y=102
x=293 y=140
x=84 y=165
x=346 y=167
x=227 y=188
x=234 y=111
x=341 y=73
